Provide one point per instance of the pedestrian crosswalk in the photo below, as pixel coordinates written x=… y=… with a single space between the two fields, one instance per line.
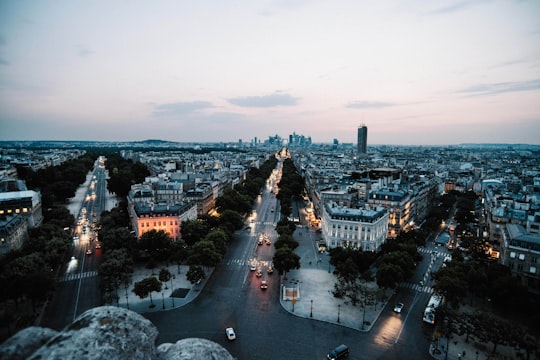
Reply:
x=435 y=253
x=237 y=262
x=77 y=276
x=416 y=287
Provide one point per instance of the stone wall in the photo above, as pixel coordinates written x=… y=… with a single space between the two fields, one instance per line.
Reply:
x=106 y=332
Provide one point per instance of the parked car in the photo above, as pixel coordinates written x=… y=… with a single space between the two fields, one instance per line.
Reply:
x=398 y=308
x=230 y=333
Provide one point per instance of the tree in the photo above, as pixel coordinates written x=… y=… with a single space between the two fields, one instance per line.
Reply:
x=116 y=269
x=146 y=286
x=204 y=253
x=285 y=260
x=179 y=252
x=38 y=286
x=164 y=276
x=195 y=274
x=117 y=238
x=194 y=230
x=230 y=221
x=286 y=240
x=157 y=243
x=389 y=275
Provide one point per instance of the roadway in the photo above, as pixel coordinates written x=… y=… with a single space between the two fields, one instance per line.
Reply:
x=232 y=297
x=265 y=329
x=77 y=288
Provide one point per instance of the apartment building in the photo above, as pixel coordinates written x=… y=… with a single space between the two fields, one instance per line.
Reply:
x=169 y=218
x=364 y=228
x=520 y=251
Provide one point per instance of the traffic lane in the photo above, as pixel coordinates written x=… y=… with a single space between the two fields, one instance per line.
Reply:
x=88 y=295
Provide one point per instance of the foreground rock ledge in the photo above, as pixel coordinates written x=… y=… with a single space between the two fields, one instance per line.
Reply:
x=106 y=332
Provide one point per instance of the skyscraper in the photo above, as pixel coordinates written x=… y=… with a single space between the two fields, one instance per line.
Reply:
x=362 y=139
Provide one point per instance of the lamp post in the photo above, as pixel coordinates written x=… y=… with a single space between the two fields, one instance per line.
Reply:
x=338 y=308
x=311 y=310
x=172 y=291
x=127 y=302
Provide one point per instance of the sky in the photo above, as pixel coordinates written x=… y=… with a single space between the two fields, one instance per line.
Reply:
x=415 y=72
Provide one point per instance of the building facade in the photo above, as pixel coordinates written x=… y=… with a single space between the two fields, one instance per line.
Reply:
x=520 y=251
x=146 y=217
x=362 y=139
x=363 y=229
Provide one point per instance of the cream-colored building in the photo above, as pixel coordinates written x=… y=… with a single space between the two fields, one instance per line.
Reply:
x=364 y=228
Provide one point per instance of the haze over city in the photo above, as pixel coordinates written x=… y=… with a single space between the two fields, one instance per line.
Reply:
x=415 y=72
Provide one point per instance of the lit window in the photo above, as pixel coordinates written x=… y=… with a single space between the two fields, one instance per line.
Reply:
x=532 y=270
x=521 y=256
x=512 y=255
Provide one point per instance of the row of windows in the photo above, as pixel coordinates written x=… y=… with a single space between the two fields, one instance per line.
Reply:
x=513 y=255
x=16 y=211
x=350 y=227
x=519 y=267
x=159 y=223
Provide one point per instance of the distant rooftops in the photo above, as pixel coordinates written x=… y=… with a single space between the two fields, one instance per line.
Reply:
x=9 y=185
x=368 y=215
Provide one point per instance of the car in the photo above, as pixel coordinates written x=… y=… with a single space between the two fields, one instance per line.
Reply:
x=259 y=273
x=253 y=267
x=267 y=241
x=264 y=285
x=89 y=252
x=98 y=246
x=340 y=352
x=270 y=270
x=260 y=242
x=230 y=333
x=398 y=308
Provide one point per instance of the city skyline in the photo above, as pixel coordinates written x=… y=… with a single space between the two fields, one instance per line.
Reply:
x=415 y=72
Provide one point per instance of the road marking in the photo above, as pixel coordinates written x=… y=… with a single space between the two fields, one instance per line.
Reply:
x=71 y=277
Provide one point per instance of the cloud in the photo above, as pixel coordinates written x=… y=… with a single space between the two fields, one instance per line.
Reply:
x=181 y=108
x=266 y=101
x=501 y=88
x=369 y=104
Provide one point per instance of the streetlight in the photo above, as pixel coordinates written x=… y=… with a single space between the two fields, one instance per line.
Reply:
x=338 y=308
x=127 y=302
x=311 y=311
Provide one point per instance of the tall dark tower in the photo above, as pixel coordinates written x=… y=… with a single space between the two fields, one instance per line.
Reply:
x=362 y=139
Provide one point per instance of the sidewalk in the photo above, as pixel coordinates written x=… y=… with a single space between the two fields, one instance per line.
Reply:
x=314 y=287
x=315 y=300
x=459 y=349
x=176 y=293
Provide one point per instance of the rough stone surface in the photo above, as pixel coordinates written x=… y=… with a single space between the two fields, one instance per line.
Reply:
x=25 y=343
x=106 y=332
x=193 y=348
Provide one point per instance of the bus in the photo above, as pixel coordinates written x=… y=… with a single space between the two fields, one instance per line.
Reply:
x=429 y=312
